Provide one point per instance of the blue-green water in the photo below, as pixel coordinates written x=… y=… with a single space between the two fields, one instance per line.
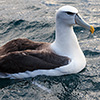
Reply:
x=35 y=20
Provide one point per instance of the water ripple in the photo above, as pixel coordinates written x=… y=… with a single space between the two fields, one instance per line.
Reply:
x=89 y=53
x=35 y=20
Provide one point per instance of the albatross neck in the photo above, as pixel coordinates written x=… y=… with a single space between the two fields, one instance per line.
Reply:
x=66 y=43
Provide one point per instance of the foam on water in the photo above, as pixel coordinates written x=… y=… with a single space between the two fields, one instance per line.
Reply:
x=42 y=87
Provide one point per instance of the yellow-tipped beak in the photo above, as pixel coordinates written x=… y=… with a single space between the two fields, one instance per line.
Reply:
x=92 y=29
x=82 y=23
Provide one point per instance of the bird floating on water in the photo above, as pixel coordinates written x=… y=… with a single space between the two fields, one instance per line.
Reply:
x=23 y=58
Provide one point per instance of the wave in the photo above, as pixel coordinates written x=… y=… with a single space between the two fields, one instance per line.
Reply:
x=22 y=25
x=89 y=53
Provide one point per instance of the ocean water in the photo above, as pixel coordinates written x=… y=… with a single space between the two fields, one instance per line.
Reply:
x=35 y=20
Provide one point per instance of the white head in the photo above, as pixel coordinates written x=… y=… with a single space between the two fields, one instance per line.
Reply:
x=68 y=15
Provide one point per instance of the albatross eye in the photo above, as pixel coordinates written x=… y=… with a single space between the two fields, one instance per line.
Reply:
x=70 y=13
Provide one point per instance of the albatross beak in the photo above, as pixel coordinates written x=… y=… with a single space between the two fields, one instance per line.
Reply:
x=82 y=23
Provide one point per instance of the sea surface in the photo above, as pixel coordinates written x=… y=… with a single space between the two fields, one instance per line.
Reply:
x=35 y=20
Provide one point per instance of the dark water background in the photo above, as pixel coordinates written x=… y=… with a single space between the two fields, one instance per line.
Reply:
x=35 y=20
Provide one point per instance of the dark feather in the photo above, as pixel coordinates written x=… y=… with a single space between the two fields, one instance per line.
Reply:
x=22 y=55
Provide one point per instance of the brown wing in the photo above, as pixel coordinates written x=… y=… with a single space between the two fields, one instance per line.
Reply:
x=20 y=45
x=21 y=61
x=22 y=54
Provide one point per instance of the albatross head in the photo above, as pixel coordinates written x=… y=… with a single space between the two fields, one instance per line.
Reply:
x=69 y=16
x=66 y=42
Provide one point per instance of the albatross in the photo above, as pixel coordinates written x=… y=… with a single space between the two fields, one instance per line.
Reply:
x=23 y=58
